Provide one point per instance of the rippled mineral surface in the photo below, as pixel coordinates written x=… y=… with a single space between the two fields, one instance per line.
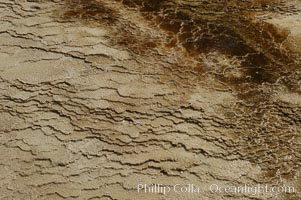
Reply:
x=99 y=96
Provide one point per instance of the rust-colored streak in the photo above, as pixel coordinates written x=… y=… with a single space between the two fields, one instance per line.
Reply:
x=232 y=32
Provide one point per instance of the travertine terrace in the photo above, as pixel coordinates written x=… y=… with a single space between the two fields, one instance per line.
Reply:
x=97 y=96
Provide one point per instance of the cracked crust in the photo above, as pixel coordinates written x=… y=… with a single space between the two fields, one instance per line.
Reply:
x=98 y=96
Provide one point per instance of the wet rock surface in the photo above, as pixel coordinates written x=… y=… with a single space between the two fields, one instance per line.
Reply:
x=99 y=96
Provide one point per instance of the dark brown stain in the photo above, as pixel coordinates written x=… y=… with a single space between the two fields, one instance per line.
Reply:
x=89 y=10
x=224 y=26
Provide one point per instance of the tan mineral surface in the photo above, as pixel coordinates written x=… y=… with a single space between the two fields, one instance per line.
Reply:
x=120 y=99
